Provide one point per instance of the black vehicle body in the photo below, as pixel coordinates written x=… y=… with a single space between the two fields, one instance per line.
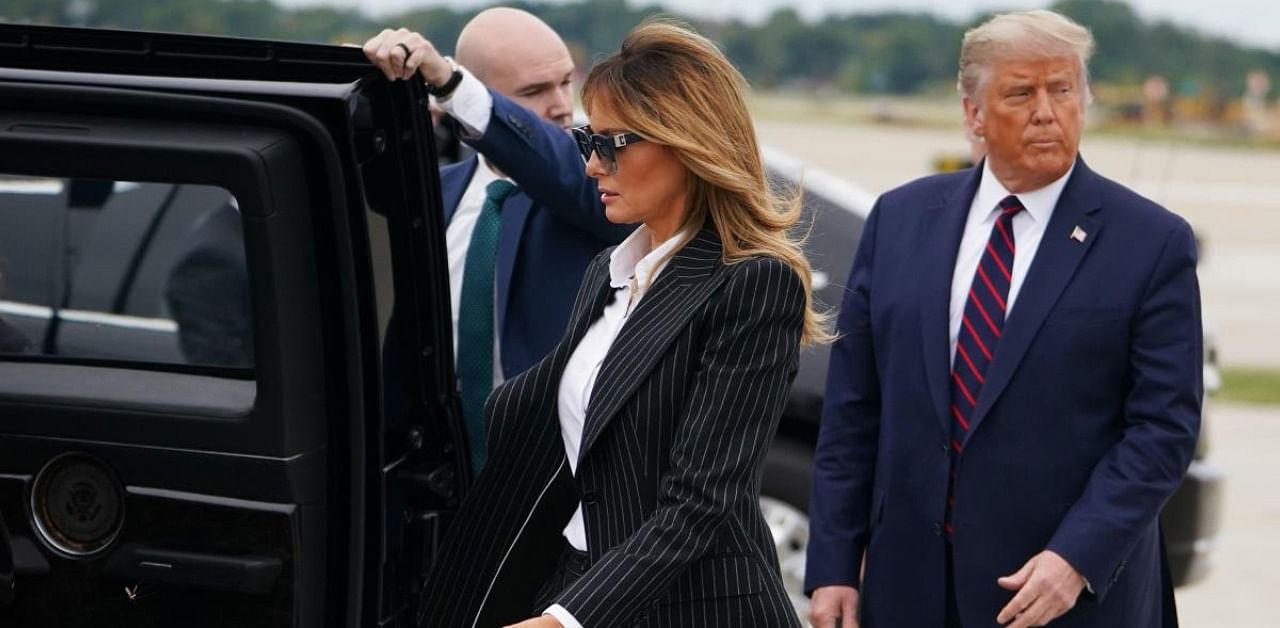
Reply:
x=142 y=488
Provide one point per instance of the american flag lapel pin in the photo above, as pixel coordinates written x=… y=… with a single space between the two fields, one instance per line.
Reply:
x=1078 y=235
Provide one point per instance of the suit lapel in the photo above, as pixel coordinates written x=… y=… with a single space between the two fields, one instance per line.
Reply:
x=586 y=309
x=585 y=312
x=1054 y=265
x=680 y=289
x=515 y=213
x=454 y=180
x=945 y=228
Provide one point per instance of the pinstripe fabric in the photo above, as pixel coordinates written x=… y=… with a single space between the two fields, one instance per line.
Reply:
x=681 y=416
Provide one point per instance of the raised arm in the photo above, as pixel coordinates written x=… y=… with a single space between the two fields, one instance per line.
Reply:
x=544 y=160
x=538 y=155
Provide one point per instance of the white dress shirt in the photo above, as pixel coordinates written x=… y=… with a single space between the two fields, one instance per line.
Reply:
x=633 y=267
x=470 y=104
x=457 y=237
x=1028 y=229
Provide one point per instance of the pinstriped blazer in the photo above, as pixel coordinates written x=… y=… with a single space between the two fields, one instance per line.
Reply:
x=685 y=404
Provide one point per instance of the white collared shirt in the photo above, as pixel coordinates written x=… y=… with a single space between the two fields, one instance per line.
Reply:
x=1028 y=229
x=632 y=270
x=470 y=104
x=633 y=267
x=457 y=237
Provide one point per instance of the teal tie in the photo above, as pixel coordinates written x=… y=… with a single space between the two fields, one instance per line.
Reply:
x=475 y=317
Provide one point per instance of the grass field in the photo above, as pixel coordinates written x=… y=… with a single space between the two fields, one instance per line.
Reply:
x=1250 y=385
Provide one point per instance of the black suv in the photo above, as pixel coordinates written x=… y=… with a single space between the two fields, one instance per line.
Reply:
x=202 y=241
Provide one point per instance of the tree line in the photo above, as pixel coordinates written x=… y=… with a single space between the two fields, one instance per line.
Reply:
x=877 y=53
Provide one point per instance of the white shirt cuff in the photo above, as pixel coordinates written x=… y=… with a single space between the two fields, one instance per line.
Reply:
x=470 y=104
x=562 y=615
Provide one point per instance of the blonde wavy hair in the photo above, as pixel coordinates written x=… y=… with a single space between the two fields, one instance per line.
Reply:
x=674 y=87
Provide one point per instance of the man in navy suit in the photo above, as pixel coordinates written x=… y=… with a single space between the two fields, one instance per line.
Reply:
x=1016 y=391
x=518 y=241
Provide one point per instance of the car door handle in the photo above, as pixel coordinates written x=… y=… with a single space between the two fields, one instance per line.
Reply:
x=252 y=575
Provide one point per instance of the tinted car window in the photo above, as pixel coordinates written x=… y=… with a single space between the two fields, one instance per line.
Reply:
x=123 y=271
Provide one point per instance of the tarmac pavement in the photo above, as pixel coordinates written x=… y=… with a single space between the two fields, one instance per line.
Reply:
x=1242 y=586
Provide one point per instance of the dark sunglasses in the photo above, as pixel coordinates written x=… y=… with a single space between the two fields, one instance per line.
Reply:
x=606 y=146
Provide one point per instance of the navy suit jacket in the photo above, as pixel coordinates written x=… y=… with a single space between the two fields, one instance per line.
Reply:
x=1086 y=423
x=552 y=227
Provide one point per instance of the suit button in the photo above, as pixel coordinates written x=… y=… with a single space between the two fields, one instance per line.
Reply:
x=937 y=528
x=590 y=497
x=945 y=447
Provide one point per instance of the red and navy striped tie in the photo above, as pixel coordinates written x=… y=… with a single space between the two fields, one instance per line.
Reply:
x=981 y=328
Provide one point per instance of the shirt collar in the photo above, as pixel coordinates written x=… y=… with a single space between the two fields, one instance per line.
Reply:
x=1039 y=203
x=634 y=258
x=484 y=175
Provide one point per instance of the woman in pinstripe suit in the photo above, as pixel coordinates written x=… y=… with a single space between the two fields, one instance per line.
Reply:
x=624 y=474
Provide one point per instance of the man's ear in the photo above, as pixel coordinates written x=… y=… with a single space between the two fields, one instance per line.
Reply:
x=973 y=118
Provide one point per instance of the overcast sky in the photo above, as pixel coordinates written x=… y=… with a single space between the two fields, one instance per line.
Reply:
x=1255 y=22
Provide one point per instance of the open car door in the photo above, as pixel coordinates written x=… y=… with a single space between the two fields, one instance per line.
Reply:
x=202 y=244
